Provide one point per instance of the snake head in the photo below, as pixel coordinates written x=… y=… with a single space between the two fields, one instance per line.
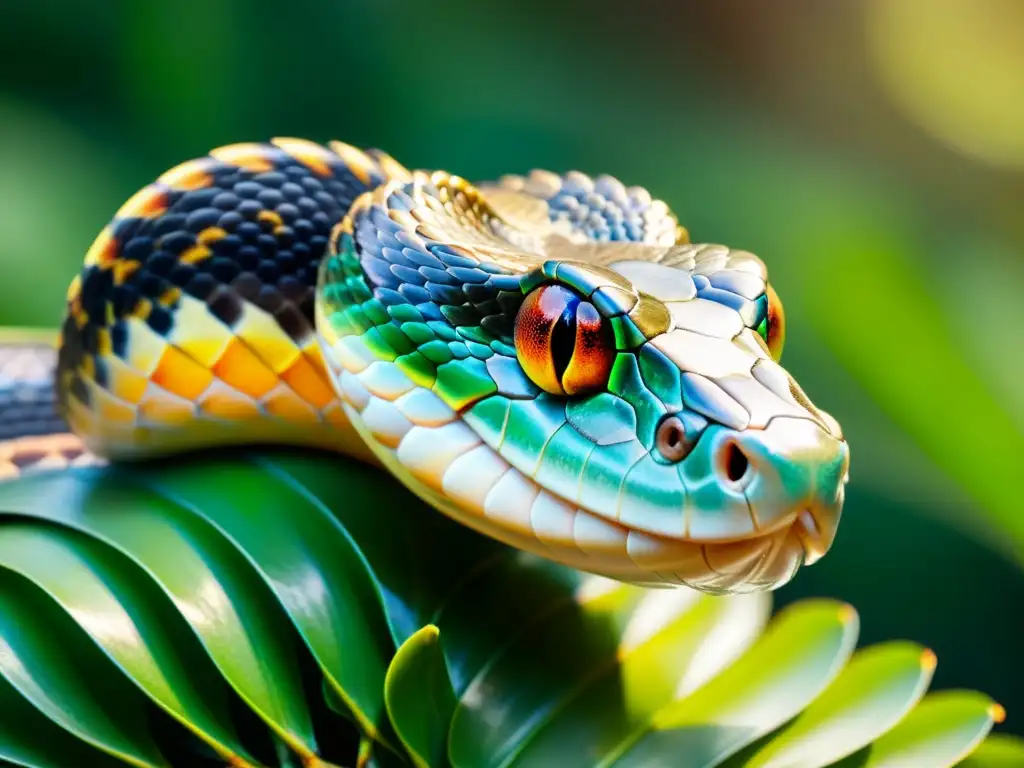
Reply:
x=616 y=407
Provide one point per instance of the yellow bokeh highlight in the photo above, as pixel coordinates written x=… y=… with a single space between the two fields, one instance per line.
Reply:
x=956 y=68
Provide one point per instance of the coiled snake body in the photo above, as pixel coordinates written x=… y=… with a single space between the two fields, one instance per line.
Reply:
x=546 y=359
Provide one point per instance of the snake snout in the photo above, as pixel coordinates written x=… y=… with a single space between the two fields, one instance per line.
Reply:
x=795 y=476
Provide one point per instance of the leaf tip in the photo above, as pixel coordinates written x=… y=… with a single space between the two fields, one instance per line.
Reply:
x=847 y=613
x=996 y=712
x=929 y=660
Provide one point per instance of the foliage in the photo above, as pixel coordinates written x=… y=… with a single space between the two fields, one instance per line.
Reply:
x=274 y=608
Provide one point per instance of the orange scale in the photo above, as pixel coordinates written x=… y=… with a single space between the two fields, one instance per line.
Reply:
x=226 y=403
x=308 y=382
x=240 y=368
x=286 y=405
x=159 y=407
x=180 y=374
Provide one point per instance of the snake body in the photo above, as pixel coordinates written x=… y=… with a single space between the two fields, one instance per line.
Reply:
x=545 y=358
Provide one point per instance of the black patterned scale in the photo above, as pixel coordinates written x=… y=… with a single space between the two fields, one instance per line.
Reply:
x=248 y=223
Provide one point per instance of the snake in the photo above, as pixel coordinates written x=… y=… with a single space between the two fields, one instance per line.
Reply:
x=545 y=358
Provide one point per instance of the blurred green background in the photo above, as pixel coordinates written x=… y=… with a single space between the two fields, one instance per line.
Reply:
x=871 y=152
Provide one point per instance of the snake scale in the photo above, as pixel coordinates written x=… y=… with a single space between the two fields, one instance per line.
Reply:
x=547 y=358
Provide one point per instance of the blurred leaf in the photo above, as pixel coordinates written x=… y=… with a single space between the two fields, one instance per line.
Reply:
x=997 y=751
x=941 y=732
x=57 y=194
x=879 y=686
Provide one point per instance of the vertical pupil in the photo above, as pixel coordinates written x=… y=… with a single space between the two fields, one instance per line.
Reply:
x=563 y=335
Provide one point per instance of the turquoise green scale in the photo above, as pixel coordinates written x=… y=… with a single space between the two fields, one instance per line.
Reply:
x=433 y=354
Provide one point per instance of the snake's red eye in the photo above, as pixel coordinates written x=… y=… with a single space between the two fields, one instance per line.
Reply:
x=563 y=343
x=773 y=327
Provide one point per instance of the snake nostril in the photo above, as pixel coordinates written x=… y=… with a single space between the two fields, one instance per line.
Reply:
x=735 y=463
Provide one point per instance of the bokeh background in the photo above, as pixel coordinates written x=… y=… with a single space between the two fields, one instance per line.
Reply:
x=871 y=151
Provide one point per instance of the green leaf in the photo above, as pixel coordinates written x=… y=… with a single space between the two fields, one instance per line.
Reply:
x=210 y=583
x=307 y=559
x=997 y=751
x=913 y=346
x=802 y=651
x=29 y=739
x=673 y=644
x=419 y=697
x=941 y=732
x=873 y=693
x=51 y=664
x=123 y=616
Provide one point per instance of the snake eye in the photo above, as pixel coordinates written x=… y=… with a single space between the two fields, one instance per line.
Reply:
x=773 y=327
x=563 y=343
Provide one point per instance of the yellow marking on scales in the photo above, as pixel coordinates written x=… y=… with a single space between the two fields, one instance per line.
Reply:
x=265 y=337
x=150 y=202
x=124 y=381
x=284 y=404
x=312 y=155
x=248 y=155
x=359 y=163
x=198 y=333
x=270 y=217
x=145 y=346
x=194 y=254
x=124 y=269
x=110 y=409
x=190 y=175
x=103 y=250
x=160 y=407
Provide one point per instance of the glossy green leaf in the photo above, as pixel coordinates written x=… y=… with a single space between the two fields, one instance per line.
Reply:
x=309 y=562
x=672 y=644
x=417 y=556
x=801 y=652
x=941 y=732
x=50 y=662
x=97 y=587
x=419 y=697
x=211 y=584
x=29 y=739
x=873 y=693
